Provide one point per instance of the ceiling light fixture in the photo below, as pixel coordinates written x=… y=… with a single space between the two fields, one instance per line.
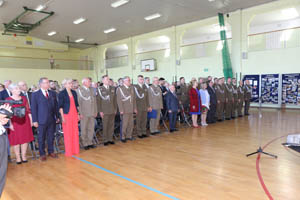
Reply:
x=119 y=3
x=79 y=21
x=211 y=0
x=79 y=40
x=52 y=33
x=1 y=2
x=40 y=8
x=154 y=16
x=110 y=30
x=290 y=13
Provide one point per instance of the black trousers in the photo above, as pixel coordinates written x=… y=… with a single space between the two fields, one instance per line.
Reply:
x=172 y=119
x=3 y=161
x=46 y=131
x=211 y=115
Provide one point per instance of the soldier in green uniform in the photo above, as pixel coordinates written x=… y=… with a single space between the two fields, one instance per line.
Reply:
x=240 y=91
x=235 y=97
x=107 y=107
x=247 y=96
x=220 y=93
x=183 y=95
x=142 y=103
x=126 y=101
x=229 y=100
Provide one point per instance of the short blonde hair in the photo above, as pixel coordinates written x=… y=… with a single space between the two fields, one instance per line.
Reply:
x=66 y=80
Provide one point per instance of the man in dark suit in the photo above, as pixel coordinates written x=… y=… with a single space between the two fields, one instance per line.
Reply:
x=172 y=105
x=24 y=91
x=44 y=109
x=5 y=93
x=211 y=115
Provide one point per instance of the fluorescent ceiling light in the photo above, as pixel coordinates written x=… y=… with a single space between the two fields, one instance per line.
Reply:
x=154 y=16
x=119 y=3
x=79 y=40
x=52 y=33
x=80 y=20
x=110 y=30
x=290 y=13
x=1 y=2
x=40 y=8
x=211 y=0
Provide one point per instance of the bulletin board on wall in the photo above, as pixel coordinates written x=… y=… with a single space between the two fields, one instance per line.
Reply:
x=255 y=84
x=291 y=89
x=270 y=88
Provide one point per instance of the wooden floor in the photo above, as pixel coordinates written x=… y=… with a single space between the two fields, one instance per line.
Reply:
x=192 y=164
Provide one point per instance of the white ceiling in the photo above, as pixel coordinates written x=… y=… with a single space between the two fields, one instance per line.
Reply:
x=127 y=19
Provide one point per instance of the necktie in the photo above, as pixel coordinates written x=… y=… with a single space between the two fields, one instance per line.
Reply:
x=47 y=96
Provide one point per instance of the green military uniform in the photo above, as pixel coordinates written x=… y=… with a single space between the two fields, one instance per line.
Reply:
x=240 y=91
x=220 y=93
x=229 y=100
x=156 y=103
x=107 y=104
x=235 y=103
x=183 y=95
x=142 y=103
x=88 y=111
x=247 y=96
x=126 y=101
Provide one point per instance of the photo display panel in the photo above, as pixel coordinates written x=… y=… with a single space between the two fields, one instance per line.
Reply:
x=291 y=89
x=269 y=88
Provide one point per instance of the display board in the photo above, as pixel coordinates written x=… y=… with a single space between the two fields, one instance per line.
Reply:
x=269 y=88
x=254 y=82
x=291 y=89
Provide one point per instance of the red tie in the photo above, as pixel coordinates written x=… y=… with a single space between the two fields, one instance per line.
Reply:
x=47 y=96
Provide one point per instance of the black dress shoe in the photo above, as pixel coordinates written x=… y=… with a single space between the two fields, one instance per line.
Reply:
x=111 y=142
x=123 y=140
x=232 y=117
x=145 y=136
x=19 y=163
x=106 y=143
x=154 y=133
x=129 y=139
x=171 y=130
x=228 y=119
x=92 y=146
x=140 y=136
x=220 y=120
x=157 y=132
x=86 y=148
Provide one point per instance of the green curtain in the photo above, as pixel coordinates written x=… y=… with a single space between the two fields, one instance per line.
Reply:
x=227 y=67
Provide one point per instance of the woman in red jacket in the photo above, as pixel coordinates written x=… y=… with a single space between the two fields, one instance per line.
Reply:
x=195 y=103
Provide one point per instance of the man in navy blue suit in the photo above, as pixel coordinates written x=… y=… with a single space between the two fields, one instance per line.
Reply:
x=44 y=110
x=172 y=105
x=5 y=93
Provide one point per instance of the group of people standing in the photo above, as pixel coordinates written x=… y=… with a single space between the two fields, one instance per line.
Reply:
x=214 y=100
